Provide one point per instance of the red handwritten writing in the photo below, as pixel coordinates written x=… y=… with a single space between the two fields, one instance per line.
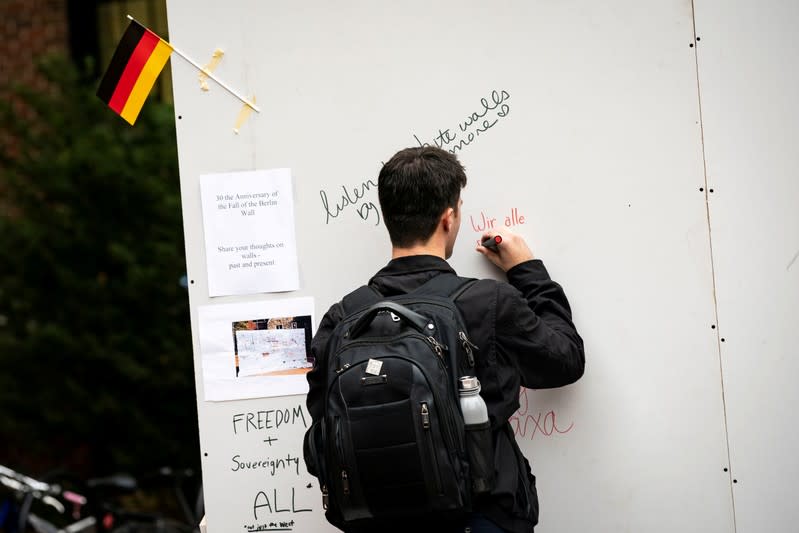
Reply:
x=525 y=424
x=484 y=222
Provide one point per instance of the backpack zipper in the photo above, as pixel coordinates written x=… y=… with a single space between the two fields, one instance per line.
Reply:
x=425 y=412
x=468 y=346
x=345 y=483
x=437 y=346
x=341 y=457
x=370 y=340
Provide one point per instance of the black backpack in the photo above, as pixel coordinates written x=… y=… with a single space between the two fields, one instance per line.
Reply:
x=392 y=444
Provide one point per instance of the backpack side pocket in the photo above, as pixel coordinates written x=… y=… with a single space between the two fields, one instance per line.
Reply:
x=313 y=447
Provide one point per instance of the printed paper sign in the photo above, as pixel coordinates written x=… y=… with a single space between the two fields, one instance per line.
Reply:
x=248 y=220
x=256 y=349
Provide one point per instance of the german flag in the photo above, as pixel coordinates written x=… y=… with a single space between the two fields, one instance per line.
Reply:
x=137 y=62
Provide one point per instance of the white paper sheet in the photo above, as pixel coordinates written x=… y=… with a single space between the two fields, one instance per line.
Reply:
x=250 y=244
x=256 y=349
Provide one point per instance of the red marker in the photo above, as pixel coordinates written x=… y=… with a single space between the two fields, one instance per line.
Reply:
x=492 y=242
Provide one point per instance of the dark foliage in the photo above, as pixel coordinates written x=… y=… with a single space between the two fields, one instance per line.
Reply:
x=95 y=344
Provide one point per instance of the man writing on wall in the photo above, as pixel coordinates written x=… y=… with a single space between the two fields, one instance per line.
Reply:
x=523 y=328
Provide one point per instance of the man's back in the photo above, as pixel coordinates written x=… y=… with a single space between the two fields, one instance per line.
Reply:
x=516 y=347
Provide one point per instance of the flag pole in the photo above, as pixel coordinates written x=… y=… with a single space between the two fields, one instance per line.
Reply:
x=206 y=72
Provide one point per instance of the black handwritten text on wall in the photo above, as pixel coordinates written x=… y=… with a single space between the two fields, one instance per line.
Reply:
x=477 y=123
x=352 y=198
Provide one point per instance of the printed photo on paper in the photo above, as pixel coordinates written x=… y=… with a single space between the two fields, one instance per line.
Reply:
x=256 y=349
x=272 y=346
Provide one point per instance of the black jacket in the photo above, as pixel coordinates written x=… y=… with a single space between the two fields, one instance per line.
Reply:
x=525 y=336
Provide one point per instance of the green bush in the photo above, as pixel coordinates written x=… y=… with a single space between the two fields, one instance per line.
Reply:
x=96 y=369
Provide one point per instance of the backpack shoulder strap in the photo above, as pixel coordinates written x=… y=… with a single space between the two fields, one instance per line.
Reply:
x=361 y=297
x=447 y=285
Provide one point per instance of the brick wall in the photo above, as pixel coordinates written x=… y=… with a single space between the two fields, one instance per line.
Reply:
x=28 y=30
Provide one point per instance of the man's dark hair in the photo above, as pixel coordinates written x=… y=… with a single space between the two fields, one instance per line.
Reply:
x=415 y=187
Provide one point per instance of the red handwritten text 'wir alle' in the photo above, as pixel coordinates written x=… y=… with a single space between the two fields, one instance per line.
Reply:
x=484 y=222
x=527 y=424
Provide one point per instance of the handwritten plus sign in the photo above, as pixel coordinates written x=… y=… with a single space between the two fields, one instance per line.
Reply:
x=269 y=440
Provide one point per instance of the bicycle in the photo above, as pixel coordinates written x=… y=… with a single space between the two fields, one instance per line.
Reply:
x=57 y=503
x=25 y=490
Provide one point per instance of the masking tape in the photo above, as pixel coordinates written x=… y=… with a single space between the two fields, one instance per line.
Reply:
x=243 y=115
x=209 y=68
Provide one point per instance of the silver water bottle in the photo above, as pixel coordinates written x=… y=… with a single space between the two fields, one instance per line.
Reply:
x=473 y=407
x=479 y=445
